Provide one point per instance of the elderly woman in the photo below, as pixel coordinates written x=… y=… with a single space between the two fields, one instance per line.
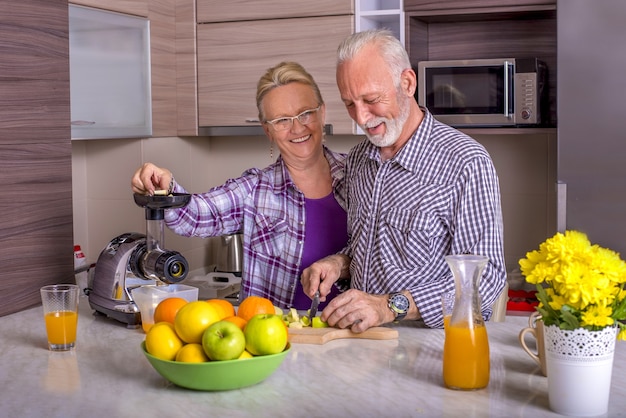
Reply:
x=292 y=212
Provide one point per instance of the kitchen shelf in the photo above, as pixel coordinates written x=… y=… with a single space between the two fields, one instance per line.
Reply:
x=242 y=130
x=499 y=31
x=378 y=14
x=507 y=131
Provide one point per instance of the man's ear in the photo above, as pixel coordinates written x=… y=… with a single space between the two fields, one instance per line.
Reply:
x=408 y=82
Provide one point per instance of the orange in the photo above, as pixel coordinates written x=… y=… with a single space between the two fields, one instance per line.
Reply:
x=167 y=309
x=237 y=320
x=225 y=306
x=191 y=353
x=253 y=305
x=193 y=319
x=162 y=341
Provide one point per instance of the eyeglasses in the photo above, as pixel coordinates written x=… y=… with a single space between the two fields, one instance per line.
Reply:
x=286 y=122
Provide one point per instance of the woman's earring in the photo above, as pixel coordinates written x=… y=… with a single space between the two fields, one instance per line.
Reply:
x=272 y=151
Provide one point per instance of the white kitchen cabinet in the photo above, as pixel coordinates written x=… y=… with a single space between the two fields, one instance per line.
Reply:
x=110 y=82
x=232 y=56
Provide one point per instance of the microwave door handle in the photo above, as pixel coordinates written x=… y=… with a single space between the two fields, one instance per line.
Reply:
x=507 y=93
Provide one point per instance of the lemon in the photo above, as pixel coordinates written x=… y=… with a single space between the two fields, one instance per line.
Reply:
x=162 y=341
x=192 y=353
x=193 y=319
x=245 y=354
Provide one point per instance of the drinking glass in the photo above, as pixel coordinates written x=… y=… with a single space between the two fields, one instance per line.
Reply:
x=60 y=310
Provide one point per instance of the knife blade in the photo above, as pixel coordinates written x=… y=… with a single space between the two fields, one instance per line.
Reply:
x=314 y=304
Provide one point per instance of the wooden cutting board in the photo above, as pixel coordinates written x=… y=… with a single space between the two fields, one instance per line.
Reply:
x=323 y=335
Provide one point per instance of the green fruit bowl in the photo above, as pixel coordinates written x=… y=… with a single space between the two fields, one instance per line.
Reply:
x=218 y=375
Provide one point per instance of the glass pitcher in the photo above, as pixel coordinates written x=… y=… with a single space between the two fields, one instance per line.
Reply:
x=466 y=347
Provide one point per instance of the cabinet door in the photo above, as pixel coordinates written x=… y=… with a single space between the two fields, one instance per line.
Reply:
x=110 y=86
x=36 y=239
x=240 y=10
x=233 y=56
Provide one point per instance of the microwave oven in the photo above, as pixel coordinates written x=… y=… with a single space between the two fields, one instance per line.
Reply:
x=484 y=92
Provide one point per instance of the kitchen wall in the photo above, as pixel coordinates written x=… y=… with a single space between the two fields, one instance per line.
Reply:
x=104 y=208
x=102 y=169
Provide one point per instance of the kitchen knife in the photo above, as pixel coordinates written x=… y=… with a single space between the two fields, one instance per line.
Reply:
x=314 y=304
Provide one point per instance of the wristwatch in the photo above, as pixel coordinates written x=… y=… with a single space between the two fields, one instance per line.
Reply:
x=399 y=305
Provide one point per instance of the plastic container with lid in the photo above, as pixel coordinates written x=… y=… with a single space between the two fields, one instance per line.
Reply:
x=148 y=297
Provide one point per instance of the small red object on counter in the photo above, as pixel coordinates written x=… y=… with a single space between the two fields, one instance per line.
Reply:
x=521 y=300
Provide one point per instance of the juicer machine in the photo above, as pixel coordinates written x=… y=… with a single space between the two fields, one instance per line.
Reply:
x=132 y=259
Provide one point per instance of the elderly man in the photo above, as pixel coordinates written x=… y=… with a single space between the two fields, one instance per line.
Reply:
x=418 y=190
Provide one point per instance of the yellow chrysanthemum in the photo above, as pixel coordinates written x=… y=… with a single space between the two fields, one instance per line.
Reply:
x=597 y=316
x=579 y=283
x=556 y=301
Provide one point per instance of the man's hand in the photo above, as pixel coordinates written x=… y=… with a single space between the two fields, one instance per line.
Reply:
x=357 y=310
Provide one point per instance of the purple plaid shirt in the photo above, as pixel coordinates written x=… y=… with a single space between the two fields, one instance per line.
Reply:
x=267 y=207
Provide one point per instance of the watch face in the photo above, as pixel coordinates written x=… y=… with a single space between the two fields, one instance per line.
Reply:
x=401 y=302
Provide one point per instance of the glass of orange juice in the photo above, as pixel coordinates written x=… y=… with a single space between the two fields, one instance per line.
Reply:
x=60 y=310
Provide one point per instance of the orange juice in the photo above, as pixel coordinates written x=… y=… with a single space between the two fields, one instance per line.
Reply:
x=446 y=321
x=466 y=357
x=61 y=327
x=146 y=325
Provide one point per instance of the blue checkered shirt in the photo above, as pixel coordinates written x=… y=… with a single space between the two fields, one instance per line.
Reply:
x=438 y=195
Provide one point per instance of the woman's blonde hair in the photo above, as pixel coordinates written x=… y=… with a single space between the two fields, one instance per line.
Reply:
x=280 y=75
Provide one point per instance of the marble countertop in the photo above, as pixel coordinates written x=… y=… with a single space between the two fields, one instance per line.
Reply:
x=107 y=375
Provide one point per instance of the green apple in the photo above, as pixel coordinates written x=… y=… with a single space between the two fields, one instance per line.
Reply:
x=265 y=334
x=223 y=340
x=318 y=323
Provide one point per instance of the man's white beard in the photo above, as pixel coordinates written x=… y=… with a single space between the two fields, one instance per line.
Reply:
x=393 y=127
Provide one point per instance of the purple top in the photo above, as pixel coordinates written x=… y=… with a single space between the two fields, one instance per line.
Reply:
x=326 y=233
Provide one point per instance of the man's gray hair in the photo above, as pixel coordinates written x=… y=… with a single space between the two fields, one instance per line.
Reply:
x=389 y=46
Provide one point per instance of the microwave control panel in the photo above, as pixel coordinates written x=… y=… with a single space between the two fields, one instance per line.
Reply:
x=526 y=100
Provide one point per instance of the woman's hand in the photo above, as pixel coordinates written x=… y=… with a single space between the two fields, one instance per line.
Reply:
x=323 y=273
x=149 y=178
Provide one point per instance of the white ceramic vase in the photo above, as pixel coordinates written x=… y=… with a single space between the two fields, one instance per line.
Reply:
x=579 y=365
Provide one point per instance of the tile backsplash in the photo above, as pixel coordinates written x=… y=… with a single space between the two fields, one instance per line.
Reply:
x=104 y=208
